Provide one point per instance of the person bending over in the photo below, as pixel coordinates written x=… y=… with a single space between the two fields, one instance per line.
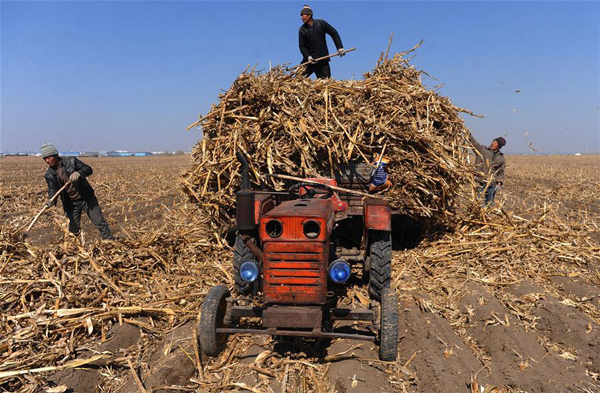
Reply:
x=78 y=196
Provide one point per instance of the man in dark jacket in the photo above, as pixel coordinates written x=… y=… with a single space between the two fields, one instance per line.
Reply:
x=490 y=164
x=314 y=45
x=78 y=196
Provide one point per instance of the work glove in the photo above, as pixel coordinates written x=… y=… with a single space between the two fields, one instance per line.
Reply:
x=49 y=203
x=311 y=60
x=341 y=52
x=74 y=177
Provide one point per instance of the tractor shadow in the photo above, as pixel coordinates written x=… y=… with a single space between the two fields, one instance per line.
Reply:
x=301 y=347
x=407 y=232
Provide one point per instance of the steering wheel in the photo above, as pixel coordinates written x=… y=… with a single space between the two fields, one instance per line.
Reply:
x=311 y=190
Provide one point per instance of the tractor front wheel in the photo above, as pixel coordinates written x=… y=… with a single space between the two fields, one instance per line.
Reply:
x=380 y=261
x=212 y=317
x=388 y=326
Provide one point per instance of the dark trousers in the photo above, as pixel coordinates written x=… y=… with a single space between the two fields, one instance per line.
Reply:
x=92 y=208
x=489 y=195
x=321 y=70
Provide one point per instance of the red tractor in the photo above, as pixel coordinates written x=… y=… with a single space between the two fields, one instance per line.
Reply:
x=295 y=253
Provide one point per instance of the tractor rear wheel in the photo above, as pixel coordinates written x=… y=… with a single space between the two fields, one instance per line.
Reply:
x=212 y=317
x=380 y=261
x=388 y=326
x=241 y=253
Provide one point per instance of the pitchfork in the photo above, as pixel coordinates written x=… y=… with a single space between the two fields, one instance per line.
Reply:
x=24 y=235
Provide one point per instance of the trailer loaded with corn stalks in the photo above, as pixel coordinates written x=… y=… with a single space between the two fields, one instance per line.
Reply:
x=292 y=125
x=501 y=299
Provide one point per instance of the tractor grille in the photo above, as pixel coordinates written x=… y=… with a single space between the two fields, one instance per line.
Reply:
x=294 y=273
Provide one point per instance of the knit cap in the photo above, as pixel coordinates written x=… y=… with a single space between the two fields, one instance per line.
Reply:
x=306 y=10
x=501 y=142
x=48 y=150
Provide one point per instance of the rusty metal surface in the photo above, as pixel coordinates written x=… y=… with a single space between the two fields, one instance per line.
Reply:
x=248 y=241
x=244 y=210
x=350 y=254
x=299 y=333
x=335 y=314
x=314 y=208
x=292 y=317
x=378 y=215
x=295 y=272
x=246 y=311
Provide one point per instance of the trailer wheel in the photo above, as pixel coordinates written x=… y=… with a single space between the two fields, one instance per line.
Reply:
x=388 y=327
x=214 y=308
x=380 y=261
x=241 y=253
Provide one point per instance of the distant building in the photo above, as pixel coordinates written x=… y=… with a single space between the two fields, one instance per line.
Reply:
x=125 y=153
x=19 y=153
x=74 y=153
x=70 y=153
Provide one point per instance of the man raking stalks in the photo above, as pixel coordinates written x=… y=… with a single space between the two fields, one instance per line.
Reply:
x=70 y=174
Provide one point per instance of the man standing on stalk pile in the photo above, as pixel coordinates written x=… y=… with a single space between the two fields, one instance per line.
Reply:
x=314 y=45
x=490 y=164
x=78 y=196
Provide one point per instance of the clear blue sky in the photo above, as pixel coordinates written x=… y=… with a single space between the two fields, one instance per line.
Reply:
x=133 y=74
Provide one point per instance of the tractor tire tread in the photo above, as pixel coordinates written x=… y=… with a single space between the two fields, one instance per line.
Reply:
x=388 y=334
x=210 y=341
x=381 y=263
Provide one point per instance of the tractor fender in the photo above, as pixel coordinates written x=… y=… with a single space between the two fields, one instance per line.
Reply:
x=377 y=215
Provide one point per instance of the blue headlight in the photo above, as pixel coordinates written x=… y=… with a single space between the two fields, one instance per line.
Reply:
x=249 y=271
x=339 y=271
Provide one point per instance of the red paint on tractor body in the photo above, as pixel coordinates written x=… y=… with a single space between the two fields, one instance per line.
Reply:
x=295 y=265
x=294 y=214
x=338 y=204
x=377 y=214
x=295 y=273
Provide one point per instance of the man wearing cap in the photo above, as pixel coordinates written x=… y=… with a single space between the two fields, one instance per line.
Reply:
x=78 y=196
x=314 y=45
x=490 y=163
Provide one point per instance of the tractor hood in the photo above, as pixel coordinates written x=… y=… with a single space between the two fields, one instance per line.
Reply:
x=298 y=220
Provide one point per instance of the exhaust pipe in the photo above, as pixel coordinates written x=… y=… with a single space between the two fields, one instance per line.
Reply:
x=245 y=176
x=244 y=199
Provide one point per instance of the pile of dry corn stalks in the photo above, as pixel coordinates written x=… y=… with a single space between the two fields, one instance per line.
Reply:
x=288 y=124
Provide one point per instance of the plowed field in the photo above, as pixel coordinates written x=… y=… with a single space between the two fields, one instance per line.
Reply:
x=511 y=304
